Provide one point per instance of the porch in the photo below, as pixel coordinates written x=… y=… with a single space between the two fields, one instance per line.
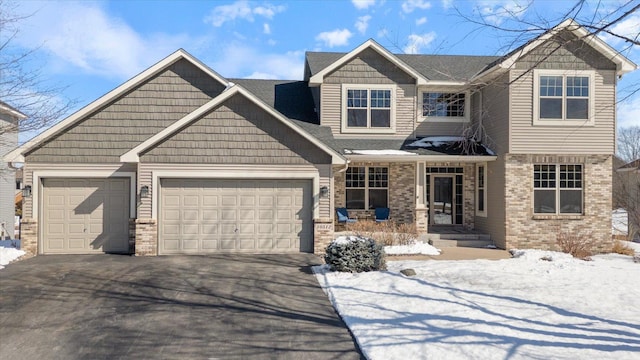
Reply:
x=439 y=198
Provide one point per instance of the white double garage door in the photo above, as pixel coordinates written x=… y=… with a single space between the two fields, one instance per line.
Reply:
x=195 y=216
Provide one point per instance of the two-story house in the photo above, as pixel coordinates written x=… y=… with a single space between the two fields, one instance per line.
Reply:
x=182 y=160
x=9 y=118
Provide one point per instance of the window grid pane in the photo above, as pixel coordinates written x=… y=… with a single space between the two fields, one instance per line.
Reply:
x=558 y=189
x=381 y=99
x=355 y=177
x=378 y=177
x=356 y=98
x=443 y=104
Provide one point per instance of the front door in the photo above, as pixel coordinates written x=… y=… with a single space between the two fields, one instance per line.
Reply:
x=442 y=204
x=444 y=199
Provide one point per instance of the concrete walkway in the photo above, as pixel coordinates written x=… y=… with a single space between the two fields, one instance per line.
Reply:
x=458 y=253
x=168 y=307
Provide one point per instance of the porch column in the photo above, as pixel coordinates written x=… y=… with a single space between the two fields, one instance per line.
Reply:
x=421 y=215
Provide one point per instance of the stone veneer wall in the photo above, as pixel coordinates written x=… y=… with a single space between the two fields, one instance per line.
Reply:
x=525 y=230
x=146 y=238
x=29 y=236
x=322 y=234
x=402 y=197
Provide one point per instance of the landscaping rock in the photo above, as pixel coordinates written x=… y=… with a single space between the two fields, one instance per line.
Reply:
x=408 y=272
x=636 y=258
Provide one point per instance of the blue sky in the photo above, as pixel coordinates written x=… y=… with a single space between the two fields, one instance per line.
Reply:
x=93 y=46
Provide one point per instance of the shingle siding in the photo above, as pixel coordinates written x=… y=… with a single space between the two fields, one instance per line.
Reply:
x=236 y=132
x=132 y=118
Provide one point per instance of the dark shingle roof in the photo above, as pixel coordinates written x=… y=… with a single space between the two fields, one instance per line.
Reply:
x=433 y=67
x=290 y=97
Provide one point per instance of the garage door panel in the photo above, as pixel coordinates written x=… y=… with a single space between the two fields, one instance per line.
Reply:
x=236 y=215
x=83 y=216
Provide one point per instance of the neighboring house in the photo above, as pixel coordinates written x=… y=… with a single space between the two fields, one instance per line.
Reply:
x=627 y=188
x=181 y=160
x=9 y=118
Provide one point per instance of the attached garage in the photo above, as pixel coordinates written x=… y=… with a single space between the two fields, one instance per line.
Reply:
x=200 y=216
x=85 y=216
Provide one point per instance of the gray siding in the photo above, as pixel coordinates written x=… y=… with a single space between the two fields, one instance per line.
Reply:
x=574 y=55
x=134 y=117
x=494 y=223
x=368 y=67
x=237 y=132
x=8 y=141
x=494 y=111
x=427 y=128
x=529 y=139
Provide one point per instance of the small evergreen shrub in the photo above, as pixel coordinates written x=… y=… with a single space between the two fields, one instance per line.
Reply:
x=355 y=254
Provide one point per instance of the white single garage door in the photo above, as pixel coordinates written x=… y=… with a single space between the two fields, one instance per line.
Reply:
x=85 y=216
x=199 y=216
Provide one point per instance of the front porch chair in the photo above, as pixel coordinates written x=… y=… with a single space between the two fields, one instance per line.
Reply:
x=343 y=216
x=382 y=215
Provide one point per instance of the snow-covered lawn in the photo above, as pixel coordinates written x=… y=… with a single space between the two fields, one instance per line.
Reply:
x=417 y=248
x=520 y=308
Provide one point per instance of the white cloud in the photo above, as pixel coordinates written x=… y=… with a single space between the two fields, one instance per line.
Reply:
x=82 y=35
x=495 y=12
x=363 y=23
x=383 y=33
x=363 y=4
x=628 y=27
x=241 y=61
x=421 y=21
x=447 y=4
x=335 y=38
x=408 y=6
x=240 y=10
x=266 y=29
x=415 y=42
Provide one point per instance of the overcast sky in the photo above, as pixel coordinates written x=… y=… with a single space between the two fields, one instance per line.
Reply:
x=94 y=46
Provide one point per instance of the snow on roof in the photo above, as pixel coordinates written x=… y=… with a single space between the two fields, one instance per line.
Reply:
x=377 y=152
x=436 y=141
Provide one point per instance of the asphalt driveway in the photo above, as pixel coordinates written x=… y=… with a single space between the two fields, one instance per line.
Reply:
x=173 y=307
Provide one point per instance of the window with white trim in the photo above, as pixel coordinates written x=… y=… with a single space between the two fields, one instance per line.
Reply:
x=557 y=189
x=367 y=187
x=368 y=108
x=562 y=97
x=481 y=190
x=445 y=106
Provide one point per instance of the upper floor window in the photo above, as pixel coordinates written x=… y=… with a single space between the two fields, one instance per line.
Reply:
x=445 y=106
x=563 y=98
x=368 y=108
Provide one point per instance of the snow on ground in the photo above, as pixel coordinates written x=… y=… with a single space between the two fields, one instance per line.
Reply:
x=520 y=308
x=416 y=248
x=9 y=254
x=635 y=246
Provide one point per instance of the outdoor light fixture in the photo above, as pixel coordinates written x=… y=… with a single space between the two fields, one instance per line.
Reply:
x=324 y=191
x=144 y=191
x=26 y=191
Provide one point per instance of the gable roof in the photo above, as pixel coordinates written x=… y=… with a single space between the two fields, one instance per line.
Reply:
x=10 y=110
x=133 y=154
x=318 y=77
x=631 y=166
x=454 y=68
x=17 y=155
x=623 y=64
